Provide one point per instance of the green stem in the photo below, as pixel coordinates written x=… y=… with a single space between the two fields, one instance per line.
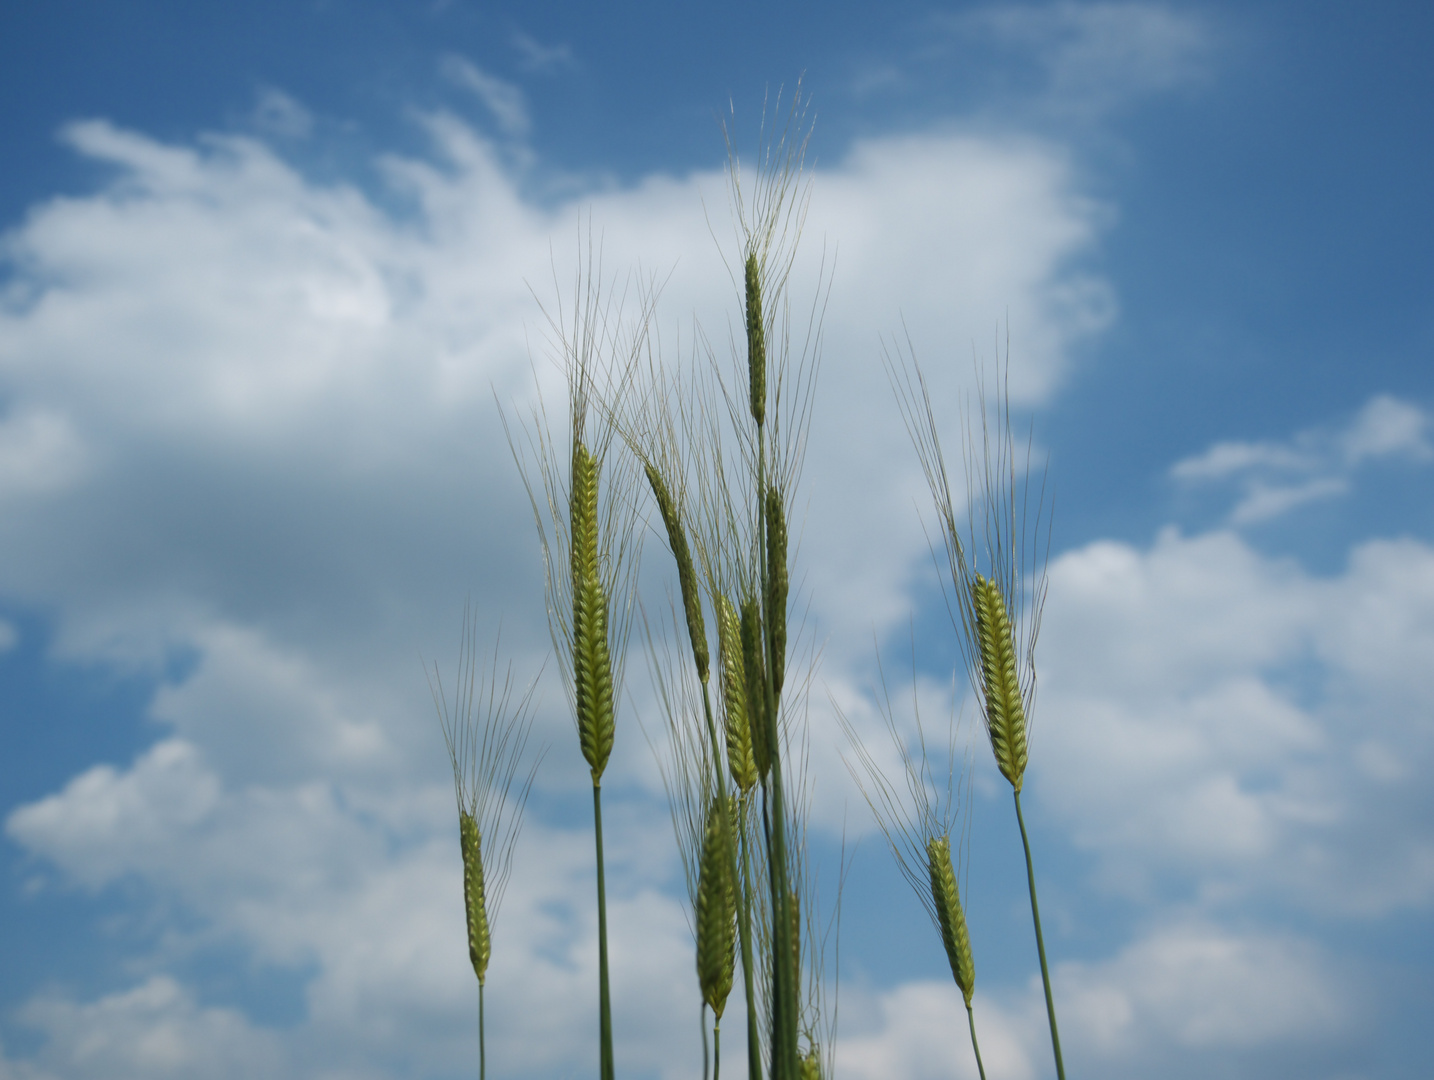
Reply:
x=784 y=992
x=702 y=1023
x=716 y=1049
x=754 y=1039
x=482 y=1050
x=970 y=1016
x=1040 y=945
x=604 y=997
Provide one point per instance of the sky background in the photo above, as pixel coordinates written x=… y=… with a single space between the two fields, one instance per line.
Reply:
x=264 y=270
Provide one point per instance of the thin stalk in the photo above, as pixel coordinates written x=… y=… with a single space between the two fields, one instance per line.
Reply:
x=784 y=1005
x=482 y=1048
x=1040 y=946
x=971 y=1018
x=716 y=1050
x=605 y=1070
x=754 y=1044
x=702 y=1023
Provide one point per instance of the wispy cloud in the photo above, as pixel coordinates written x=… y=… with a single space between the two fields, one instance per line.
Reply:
x=1274 y=477
x=1082 y=60
x=276 y=113
x=505 y=100
x=534 y=56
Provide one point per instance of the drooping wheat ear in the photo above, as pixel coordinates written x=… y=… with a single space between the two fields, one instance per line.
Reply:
x=740 y=760
x=947 y=899
x=480 y=945
x=1000 y=681
x=592 y=663
x=756 y=341
x=755 y=671
x=686 y=574
x=777 y=585
x=716 y=915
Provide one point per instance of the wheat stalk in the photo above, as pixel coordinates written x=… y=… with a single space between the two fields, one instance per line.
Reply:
x=485 y=731
x=592 y=556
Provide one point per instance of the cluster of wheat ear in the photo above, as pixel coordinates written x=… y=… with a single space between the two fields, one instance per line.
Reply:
x=708 y=457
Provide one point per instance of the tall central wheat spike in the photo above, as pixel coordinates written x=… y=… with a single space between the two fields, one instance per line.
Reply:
x=592 y=664
x=1000 y=683
x=756 y=341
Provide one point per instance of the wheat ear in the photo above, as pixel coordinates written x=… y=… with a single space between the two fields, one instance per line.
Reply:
x=1000 y=684
x=592 y=662
x=740 y=759
x=756 y=341
x=686 y=573
x=716 y=914
x=755 y=672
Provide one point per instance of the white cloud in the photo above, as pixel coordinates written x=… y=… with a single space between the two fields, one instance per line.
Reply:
x=1388 y=427
x=1171 y=682
x=39 y=452
x=155 y=1029
x=503 y=99
x=1092 y=57
x=1169 y=1004
x=1319 y=463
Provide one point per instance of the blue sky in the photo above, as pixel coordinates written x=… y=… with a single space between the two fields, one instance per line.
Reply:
x=262 y=271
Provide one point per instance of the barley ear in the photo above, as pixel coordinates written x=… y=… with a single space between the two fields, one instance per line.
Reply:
x=1005 y=715
x=776 y=586
x=756 y=342
x=480 y=945
x=716 y=915
x=686 y=575
x=592 y=662
x=947 y=900
x=756 y=676
x=740 y=760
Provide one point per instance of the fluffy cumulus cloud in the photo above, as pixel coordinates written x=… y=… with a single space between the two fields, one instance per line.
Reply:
x=1264 y=720
x=1171 y=1003
x=249 y=448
